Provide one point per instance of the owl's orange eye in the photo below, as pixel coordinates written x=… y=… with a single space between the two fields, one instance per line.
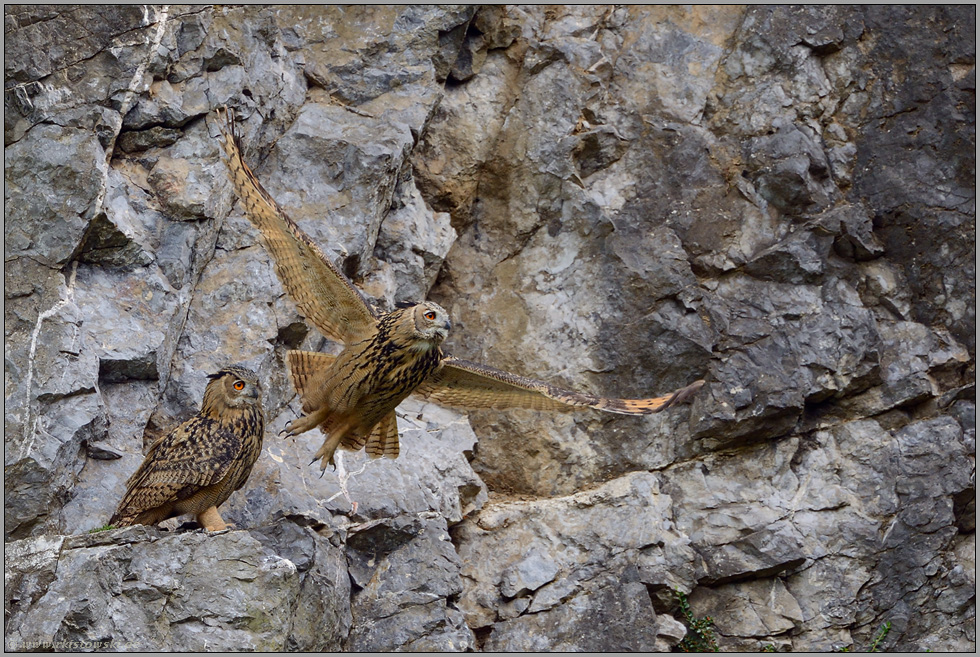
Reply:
x=430 y=315
x=239 y=385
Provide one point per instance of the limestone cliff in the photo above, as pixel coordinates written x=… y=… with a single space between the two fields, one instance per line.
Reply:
x=617 y=199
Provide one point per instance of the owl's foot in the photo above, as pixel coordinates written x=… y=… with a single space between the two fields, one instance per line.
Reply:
x=325 y=455
x=211 y=520
x=331 y=443
x=305 y=423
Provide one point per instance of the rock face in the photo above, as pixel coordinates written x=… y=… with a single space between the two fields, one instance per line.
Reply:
x=621 y=200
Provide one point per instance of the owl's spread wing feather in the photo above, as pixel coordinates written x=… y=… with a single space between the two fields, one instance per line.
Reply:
x=321 y=292
x=472 y=385
x=195 y=455
x=303 y=365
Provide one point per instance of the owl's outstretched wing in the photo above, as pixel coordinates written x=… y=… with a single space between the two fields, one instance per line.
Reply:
x=472 y=385
x=197 y=454
x=321 y=292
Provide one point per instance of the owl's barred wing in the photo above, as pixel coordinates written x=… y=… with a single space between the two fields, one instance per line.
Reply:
x=196 y=454
x=321 y=292
x=472 y=385
x=303 y=365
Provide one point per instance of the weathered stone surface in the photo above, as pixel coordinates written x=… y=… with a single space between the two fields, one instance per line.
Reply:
x=52 y=180
x=546 y=568
x=234 y=591
x=404 y=570
x=760 y=608
x=610 y=618
x=616 y=199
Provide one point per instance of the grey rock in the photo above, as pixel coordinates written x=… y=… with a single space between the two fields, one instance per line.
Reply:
x=29 y=568
x=132 y=591
x=322 y=618
x=179 y=188
x=799 y=259
x=767 y=610
x=532 y=572
x=53 y=178
x=498 y=27
x=907 y=120
x=405 y=569
x=622 y=526
x=622 y=611
x=143 y=140
x=411 y=264
x=470 y=57
x=79 y=33
x=792 y=174
x=551 y=594
x=619 y=200
x=99 y=451
x=777 y=548
x=670 y=632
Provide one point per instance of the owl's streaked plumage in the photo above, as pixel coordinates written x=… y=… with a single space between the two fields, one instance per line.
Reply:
x=352 y=396
x=198 y=465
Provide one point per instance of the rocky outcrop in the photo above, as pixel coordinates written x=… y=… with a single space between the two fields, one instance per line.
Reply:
x=621 y=200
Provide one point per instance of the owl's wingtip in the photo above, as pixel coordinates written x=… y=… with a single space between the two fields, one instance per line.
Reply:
x=684 y=394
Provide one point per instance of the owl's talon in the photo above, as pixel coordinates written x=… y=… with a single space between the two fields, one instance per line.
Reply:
x=214 y=532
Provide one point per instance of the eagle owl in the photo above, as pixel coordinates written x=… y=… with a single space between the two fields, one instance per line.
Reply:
x=352 y=396
x=198 y=465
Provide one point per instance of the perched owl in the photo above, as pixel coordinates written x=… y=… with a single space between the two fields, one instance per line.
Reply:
x=198 y=465
x=352 y=396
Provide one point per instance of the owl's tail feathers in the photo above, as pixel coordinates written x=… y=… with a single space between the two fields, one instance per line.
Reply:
x=128 y=511
x=384 y=438
x=303 y=365
x=120 y=520
x=127 y=517
x=655 y=405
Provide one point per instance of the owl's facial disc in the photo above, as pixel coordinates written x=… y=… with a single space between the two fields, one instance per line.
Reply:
x=432 y=321
x=243 y=391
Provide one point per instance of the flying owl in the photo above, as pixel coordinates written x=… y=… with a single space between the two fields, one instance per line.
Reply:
x=352 y=396
x=198 y=465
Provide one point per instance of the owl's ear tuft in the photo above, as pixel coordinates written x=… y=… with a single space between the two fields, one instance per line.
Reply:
x=405 y=304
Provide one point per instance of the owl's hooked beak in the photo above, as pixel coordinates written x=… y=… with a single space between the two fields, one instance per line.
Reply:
x=443 y=331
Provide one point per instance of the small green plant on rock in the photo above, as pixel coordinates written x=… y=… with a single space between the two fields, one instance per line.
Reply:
x=880 y=637
x=876 y=641
x=103 y=528
x=700 y=631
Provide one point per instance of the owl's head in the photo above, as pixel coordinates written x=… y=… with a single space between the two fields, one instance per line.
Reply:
x=231 y=387
x=431 y=322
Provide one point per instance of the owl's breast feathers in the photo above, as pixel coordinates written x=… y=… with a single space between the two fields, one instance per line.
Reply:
x=249 y=423
x=397 y=360
x=373 y=376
